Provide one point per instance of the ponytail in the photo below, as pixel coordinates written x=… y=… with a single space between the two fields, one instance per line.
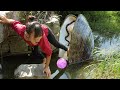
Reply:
x=33 y=24
x=31 y=18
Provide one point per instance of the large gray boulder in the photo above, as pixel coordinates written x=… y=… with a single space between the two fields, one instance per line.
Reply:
x=35 y=71
x=2 y=27
x=82 y=41
x=8 y=37
x=30 y=71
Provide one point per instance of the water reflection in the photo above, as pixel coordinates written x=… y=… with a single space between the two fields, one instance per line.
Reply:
x=107 y=44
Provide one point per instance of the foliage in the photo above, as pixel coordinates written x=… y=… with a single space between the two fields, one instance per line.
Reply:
x=42 y=16
x=106 y=68
x=104 y=22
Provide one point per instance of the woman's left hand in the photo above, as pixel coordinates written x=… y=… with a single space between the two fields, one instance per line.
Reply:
x=47 y=71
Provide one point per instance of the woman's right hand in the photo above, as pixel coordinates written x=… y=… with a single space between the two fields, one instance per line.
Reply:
x=5 y=20
x=47 y=71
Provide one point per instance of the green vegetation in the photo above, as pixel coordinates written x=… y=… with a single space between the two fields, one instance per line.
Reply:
x=109 y=68
x=42 y=16
x=104 y=22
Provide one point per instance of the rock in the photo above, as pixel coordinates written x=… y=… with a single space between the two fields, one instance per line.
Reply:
x=2 y=27
x=1 y=33
x=82 y=41
x=1 y=76
x=9 y=38
x=35 y=71
x=63 y=76
x=54 y=25
x=83 y=29
x=30 y=71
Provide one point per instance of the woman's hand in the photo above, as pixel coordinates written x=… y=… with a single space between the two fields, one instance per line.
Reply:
x=46 y=67
x=5 y=20
x=47 y=71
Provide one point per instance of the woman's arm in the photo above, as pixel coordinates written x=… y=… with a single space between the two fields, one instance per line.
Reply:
x=16 y=25
x=46 y=68
x=48 y=58
x=5 y=20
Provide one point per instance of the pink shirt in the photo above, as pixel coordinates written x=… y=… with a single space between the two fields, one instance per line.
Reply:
x=43 y=43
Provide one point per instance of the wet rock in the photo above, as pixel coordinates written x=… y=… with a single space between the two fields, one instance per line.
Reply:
x=30 y=71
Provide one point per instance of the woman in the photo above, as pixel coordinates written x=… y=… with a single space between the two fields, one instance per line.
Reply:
x=36 y=34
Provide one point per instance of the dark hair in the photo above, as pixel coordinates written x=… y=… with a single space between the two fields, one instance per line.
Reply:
x=33 y=25
x=31 y=18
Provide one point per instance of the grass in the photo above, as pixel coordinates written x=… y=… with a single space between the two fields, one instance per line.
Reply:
x=107 y=68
